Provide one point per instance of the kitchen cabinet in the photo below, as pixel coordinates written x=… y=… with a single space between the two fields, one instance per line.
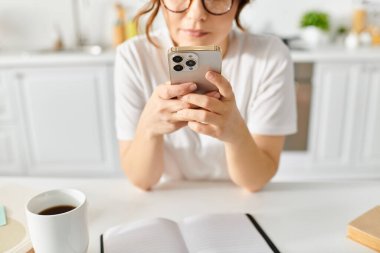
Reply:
x=369 y=143
x=57 y=117
x=331 y=114
x=343 y=134
x=346 y=114
x=11 y=155
x=66 y=120
x=11 y=150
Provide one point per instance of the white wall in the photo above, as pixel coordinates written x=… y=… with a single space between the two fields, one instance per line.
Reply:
x=29 y=24
x=282 y=17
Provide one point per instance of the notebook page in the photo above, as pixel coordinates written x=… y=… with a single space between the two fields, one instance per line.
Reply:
x=222 y=233
x=146 y=236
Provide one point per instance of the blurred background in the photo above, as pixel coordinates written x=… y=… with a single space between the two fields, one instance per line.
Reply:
x=34 y=24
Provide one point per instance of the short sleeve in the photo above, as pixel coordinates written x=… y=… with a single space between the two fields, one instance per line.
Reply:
x=273 y=109
x=129 y=93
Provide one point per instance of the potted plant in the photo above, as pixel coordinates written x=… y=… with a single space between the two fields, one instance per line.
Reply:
x=315 y=27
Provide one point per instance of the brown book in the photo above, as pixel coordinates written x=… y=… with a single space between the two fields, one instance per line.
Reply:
x=366 y=229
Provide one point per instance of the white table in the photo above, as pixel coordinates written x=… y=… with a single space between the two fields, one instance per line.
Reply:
x=298 y=216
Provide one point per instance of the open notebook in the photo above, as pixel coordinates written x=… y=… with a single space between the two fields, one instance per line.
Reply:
x=216 y=233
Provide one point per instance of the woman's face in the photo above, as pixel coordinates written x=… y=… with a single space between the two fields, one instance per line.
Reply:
x=197 y=27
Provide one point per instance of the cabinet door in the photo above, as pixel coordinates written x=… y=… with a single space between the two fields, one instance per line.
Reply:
x=67 y=120
x=369 y=146
x=332 y=106
x=5 y=101
x=11 y=158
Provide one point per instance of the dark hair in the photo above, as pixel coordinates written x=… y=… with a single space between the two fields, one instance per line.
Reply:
x=154 y=6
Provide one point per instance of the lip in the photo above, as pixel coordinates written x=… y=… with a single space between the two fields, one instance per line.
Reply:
x=194 y=32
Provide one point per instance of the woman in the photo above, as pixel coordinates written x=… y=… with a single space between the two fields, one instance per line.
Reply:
x=236 y=133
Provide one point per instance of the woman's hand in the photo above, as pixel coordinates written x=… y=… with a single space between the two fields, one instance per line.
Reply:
x=219 y=118
x=158 y=117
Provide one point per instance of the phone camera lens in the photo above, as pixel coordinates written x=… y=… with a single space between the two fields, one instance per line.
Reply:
x=177 y=59
x=190 y=63
x=178 y=68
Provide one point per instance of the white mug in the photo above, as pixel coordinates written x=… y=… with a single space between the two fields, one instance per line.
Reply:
x=65 y=232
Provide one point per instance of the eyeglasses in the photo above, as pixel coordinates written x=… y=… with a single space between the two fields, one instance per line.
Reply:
x=214 y=7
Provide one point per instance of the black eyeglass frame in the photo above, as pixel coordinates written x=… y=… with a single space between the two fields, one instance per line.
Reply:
x=204 y=6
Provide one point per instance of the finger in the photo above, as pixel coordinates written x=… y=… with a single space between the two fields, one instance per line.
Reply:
x=214 y=94
x=168 y=91
x=198 y=115
x=180 y=124
x=202 y=128
x=175 y=105
x=221 y=83
x=208 y=103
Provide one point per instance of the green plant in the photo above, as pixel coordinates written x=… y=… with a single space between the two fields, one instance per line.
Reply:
x=341 y=30
x=316 y=18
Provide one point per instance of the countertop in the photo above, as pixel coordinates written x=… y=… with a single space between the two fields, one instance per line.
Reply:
x=329 y=53
x=297 y=216
x=337 y=53
x=49 y=58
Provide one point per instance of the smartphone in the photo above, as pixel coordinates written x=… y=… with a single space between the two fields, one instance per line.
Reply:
x=190 y=64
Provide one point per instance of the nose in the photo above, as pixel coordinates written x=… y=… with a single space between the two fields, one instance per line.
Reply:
x=196 y=11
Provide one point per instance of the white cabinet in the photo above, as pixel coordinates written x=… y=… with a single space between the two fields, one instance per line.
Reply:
x=12 y=161
x=12 y=156
x=369 y=143
x=346 y=118
x=58 y=120
x=66 y=114
x=330 y=112
x=344 y=129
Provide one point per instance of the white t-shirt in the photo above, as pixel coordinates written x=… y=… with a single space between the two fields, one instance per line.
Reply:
x=260 y=71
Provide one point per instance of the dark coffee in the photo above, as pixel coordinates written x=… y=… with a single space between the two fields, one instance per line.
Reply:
x=57 y=210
